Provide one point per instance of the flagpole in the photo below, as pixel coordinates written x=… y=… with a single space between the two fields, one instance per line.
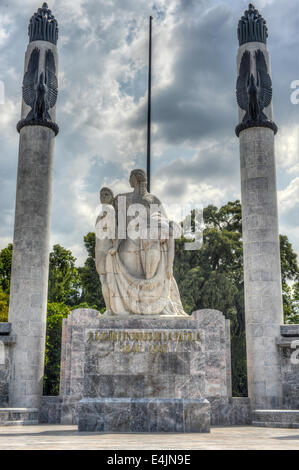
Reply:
x=149 y=111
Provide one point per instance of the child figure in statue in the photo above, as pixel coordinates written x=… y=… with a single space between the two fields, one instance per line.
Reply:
x=104 y=245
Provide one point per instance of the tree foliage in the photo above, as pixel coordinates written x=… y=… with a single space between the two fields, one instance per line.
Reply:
x=290 y=296
x=64 y=280
x=69 y=288
x=4 y=301
x=55 y=315
x=5 y=274
x=90 y=282
x=290 y=281
x=5 y=267
x=212 y=277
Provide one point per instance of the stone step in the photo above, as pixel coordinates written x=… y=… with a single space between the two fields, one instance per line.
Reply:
x=5 y=329
x=115 y=415
x=18 y=416
x=276 y=418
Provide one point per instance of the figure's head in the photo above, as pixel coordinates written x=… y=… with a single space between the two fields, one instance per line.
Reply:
x=137 y=176
x=106 y=196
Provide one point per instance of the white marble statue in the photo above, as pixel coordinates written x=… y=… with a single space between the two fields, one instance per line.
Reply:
x=136 y=273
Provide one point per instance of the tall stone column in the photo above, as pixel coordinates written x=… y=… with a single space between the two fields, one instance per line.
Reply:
x=262 y=271
x=30 y=264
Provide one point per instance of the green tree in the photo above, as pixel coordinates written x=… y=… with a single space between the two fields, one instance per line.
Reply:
x=5 y=274
x=55 y=315
x=90 y=282
x=290 y=281
x=212 y=277
x=291 y=303
x=294 y=317
x=4 y=302
x=289 y=263
x=64 y=280
x=5 y=267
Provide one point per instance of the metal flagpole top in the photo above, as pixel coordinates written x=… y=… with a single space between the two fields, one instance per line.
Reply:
x=148 y=165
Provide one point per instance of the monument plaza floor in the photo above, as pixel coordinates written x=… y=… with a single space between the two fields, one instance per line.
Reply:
x=63 y=437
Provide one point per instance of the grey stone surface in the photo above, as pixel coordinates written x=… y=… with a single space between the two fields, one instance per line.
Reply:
x=5 y=328
x=18 y=416
x=289 y=330
x=69 y=409
x=276 y=418
x=286 y=341
x=30 y=262
x=144 y=415
x=148 y=375
x=72 y=350
x=137 y=362
x=7 y=339
x=288 y=347
x=65 y=437
x=6 y=348
x=217 y=352
x=262 y=273
x=212 y=324
x=29 y=282
x=230 y=411
x=4 y=383
x=72 y=361
x=262 y=277
x=50 y=410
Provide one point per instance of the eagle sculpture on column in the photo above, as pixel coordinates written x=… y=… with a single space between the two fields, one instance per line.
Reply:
x=40 y=90
x=253 y=95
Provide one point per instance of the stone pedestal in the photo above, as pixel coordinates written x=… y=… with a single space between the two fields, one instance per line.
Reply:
x=144 y=415
x=30 y=262
x=144 y=374
x=288 y=345
x=262 y=272
x=18 y=416
x=7 y=343
x=276 y=418
x=10 y=416
x=217 y=368
x=72 y=361
x=218 y=375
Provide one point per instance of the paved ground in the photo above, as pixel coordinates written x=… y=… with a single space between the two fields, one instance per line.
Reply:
x=59 y=437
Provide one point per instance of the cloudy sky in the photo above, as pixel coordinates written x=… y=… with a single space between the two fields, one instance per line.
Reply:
x=101 y=109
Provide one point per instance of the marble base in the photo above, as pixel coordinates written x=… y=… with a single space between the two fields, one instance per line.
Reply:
x=276 y=418
x=144 y=375
x=18 y=416
x=144 y=415
x=183 y=371
x=144 y=358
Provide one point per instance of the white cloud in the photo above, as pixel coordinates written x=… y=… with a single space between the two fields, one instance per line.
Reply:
x=5 y=23
x=8 y=113
x=289 y=197
x=288 y=208
x=287 y=148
